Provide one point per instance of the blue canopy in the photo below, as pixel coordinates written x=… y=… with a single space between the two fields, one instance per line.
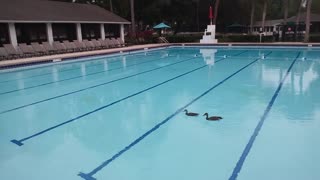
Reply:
x=161 y=26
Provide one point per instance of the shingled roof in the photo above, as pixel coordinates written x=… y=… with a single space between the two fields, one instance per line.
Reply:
x=54 y=11
x=302 y=19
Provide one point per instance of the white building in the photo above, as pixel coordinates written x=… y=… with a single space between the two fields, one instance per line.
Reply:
x=26 y=21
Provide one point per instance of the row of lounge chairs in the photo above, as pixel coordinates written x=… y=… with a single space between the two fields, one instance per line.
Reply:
x=36 y=49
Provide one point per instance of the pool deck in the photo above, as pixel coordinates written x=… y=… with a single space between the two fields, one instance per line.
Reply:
x=60 y=57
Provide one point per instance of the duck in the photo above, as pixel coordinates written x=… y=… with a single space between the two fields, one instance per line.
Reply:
x=212 y=118
x=190 y=113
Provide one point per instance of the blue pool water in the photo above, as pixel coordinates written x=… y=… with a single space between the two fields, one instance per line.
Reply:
x=121 y=117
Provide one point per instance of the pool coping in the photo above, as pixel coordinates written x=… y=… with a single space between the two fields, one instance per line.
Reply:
x=17 y=63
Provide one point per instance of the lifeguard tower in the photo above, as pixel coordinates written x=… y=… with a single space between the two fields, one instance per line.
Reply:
x=209 y=33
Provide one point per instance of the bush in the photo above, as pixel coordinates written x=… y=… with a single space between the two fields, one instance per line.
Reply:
x=183 y=38
x=243 y=38
x=314 y=38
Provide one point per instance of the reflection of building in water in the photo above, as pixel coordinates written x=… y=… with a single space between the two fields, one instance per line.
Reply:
x=300 y=80
x=83 y=69
x=55 y=74
x=124 y=62
x=105 y=65
x=208 y=56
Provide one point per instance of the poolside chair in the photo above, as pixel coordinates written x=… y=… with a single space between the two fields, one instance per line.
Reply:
x=49 y=48
x=103 y=43
x=80 y=45
x=116 y=42
x=110 y=43
x=14 y=53
x=38 y=48
x=27 y=50
x=3 y=54
x=96 y=43
x=121 y=42
x=71 y=47
x=59 y=47
x=89 y=44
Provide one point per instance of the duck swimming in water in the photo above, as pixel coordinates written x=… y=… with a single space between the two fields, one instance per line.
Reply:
x=190 y=113
x=212 y=118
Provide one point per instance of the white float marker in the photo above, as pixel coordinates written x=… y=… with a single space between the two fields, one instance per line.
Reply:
x=224 y=56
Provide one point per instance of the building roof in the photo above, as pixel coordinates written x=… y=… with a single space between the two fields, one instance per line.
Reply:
x=302 y=19
x=269 y=22
x=313 y=18
x=54 y=11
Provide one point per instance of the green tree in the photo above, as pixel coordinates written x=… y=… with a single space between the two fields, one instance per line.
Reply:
x=133 y=24
x=216 y=9
x=253 y=8
x=306 y=36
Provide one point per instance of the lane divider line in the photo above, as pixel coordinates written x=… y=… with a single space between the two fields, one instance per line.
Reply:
x=20 y=142
x=88 y=176
x=252 y=139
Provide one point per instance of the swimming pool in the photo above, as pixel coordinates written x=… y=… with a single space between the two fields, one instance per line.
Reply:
x=121 y=117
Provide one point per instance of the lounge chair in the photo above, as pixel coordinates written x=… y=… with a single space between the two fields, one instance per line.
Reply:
x=89 y=44
x=3 y=54
x=27 y=50
x=59 y=47
x=110 y=43
x=38 y=48
x=12 y=51
x=49 y=48
x=71 y=47
x=97 y=44
x=103 y=43
x=121 y=42
x=116 y=42
x=80 y=45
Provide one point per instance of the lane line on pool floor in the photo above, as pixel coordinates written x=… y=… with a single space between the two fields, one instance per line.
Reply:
x=81 y=76
x=94 y=86
x=98 y=85
x=71 y=69
x=95 y=59
x=20 y=142
x=76 y=77
x=77 y=61
x=249 y=145
x=88 y=176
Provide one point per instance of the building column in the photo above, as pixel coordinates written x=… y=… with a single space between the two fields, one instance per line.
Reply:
x=102 y=32
x=79 y=32
x=122 y=32
x=49 y=33
x=13 y=35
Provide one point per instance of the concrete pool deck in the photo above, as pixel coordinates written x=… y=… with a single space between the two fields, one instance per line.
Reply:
x=60 y=57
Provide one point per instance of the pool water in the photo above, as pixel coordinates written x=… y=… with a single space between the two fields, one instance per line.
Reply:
x=121 y=117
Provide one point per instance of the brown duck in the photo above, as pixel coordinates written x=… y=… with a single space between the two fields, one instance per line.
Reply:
x=212 y=118
x=190 y=113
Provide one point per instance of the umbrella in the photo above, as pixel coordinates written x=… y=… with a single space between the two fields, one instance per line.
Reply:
x=161 y=26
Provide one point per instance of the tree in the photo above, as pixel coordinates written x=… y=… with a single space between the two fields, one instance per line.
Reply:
x=306 y=36
x=216 y=9
x=133 y=24
x=298 y=19
x=253 y=7
x=111 y=6
x=264 y=13
x=285 y=11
